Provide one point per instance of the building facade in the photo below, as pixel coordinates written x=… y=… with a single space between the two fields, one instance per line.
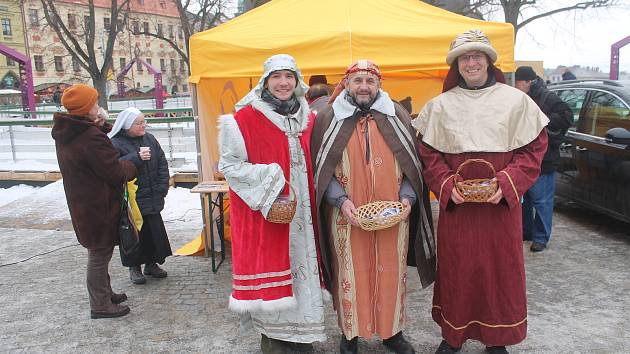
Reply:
x=53 y=65
x=12 y=35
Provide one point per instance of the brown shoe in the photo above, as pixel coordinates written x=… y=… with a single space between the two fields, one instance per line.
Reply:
x=114 y=311
x=118 y=298
x=154 y=270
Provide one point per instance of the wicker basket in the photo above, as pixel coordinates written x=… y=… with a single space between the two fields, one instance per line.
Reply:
x=283 y=208
x=476 y=190
x=379 y=215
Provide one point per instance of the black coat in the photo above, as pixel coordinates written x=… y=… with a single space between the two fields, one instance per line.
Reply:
x=153 y=174
x=560 y=120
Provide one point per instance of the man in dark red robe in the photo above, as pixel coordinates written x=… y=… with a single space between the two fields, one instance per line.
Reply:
x=479 y=292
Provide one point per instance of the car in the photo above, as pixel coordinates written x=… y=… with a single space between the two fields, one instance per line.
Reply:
x=594 y=167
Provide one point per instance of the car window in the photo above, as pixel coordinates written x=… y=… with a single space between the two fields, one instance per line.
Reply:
x=603 y=112
x=575 y=99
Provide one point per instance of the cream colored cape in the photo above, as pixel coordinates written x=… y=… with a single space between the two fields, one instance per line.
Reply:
x=499 y=118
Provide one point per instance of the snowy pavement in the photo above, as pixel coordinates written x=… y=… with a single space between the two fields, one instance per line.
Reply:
x=577 y=290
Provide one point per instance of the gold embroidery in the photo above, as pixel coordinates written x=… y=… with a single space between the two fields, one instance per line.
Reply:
x=480 y=323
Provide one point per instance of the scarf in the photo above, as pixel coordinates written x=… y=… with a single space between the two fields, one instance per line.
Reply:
x=287 y=107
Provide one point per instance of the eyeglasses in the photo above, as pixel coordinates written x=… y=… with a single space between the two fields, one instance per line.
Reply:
x=142 y=124
x=467 y=58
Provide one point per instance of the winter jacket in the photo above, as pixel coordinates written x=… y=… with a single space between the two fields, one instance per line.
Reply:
x=92 y=178
x=153 y=174
x=560 y=120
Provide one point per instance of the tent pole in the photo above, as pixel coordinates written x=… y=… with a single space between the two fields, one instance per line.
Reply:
x=195 y=109
x=204 y=217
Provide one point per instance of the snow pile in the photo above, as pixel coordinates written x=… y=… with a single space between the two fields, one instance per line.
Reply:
x=7 y=195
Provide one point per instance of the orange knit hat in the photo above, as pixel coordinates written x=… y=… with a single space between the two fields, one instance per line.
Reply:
x=79 y=99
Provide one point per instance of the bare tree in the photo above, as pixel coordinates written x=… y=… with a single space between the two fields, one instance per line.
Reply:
x=194 y=16
x=462 y=7
x=513 y=10
x=250 y=4
x=81 y=43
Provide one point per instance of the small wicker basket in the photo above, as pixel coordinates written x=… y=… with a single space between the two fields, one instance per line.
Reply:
x=476 y=190
x=283 y=208
x=379 y=215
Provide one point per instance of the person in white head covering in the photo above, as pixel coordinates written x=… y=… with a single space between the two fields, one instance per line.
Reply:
x=265 y=155
x=480 y=128
x=135 y=144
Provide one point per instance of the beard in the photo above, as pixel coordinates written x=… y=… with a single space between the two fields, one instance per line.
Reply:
x=363 y=103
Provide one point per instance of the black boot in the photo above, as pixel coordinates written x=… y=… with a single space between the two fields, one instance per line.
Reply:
x=399 y=344
x=272 y=346
x=445 y=348
x=135 y=274
x=496 y=350
x=349 y=346
x=300 y=347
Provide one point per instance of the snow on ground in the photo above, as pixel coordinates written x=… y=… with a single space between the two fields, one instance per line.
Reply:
x=27 y=165
x=7 y=195
x=182 y=209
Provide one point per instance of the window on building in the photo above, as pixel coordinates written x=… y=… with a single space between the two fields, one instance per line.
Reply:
x=184 y=88
x=76 y=67
x=6 y=27
x=136 y=27
x=182 y=66
x=163 y=4
x=141 y=2
x=39 y=62
x=72 y=21
x=171 y=33
x=4 y=8
x=106 y=23
x=33 y=17
x=137 y=84
x=148 y=60
x=123 y=62
x=162 y=65
x=139 y=66
x=160 y=31
x=180 y=33
x=58 y=63
x=173 y=68
x=10 y=62
x=145 y=26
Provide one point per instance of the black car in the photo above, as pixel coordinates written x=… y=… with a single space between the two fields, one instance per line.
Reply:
x=595 y=157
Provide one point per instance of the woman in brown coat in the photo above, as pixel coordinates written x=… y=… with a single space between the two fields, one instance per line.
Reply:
x=92 y=178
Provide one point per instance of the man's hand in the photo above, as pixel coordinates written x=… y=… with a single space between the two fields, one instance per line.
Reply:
x=456 y=197
x=348 y=210
x=405 y=202
x=496 y=197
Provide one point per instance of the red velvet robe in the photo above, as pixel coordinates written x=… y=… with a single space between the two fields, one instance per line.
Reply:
x=479 y=292
x=260 y=249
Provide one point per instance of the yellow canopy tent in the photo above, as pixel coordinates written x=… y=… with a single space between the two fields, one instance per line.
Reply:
x=408 y=39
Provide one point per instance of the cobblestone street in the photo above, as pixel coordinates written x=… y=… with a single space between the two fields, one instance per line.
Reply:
x=578 y=298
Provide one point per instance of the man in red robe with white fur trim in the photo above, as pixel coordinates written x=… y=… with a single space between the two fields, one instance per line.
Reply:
x=264 y=148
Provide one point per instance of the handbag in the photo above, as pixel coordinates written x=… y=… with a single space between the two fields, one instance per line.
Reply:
x=127 y=232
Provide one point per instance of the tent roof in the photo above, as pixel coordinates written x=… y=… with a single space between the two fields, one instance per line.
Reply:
x=325 y=36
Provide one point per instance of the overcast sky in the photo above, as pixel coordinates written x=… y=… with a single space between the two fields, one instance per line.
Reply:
x=576 y=38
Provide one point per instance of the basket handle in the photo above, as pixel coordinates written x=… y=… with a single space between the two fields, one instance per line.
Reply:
x=459 y=169
x=291 y=191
